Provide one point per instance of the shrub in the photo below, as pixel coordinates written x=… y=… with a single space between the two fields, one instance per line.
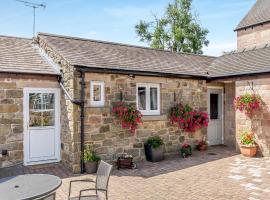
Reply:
x=247 y=138
x=188 y=119
x=155 y=142
x=129 y=117
x=248 y=103
x=186 y=150
x=90 y=156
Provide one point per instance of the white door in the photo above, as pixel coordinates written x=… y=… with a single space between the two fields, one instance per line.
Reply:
x=42 y=126
x=215 y=111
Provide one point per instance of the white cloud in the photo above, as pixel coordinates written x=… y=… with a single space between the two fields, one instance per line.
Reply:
x=217 y=49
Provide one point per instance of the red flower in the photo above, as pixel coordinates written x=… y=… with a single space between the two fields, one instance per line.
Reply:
x=128 y=116
x=248 y=103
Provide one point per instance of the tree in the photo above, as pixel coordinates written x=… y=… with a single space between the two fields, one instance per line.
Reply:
x=178 y=30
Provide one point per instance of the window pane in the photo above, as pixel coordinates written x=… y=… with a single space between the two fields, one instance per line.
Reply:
x=214 y=106
x=142 y=98
x=97 y=92
x=153 y=99
x=41 y=109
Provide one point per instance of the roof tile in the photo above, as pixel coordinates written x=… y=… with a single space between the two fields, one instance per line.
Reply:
x=241 y=63
x=19 y=55
x=99 y=54
x=258 y=14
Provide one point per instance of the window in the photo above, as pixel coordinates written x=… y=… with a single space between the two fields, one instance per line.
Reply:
x=148 y=99
x=97 y=93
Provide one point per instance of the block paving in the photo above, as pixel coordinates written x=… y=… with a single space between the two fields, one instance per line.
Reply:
x=219 y=173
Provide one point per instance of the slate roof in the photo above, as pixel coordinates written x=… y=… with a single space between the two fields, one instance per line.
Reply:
x=241 y=63
x=259 y=14
x=100 y=54
x=18 y=55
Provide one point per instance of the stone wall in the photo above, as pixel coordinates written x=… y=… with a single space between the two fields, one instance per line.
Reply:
x=260 y=123
x=70 y=135
x=109 y=140
x=254 y=36
x=11 y=112
x=229 y=115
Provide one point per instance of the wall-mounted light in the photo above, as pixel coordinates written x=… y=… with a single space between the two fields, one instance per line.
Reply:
x=131 y=76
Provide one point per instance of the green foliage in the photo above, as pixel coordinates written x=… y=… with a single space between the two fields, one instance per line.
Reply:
x=247 y=138
x=185 y=150
x=155 y=141
x=89 y=155
x=178 y=30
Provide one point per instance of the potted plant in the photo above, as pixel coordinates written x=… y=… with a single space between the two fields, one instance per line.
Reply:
x=90 y=160
x=248 y=103
x=248 y=146
x=201 y=145
x=125 y=161
x=154 y=149
x=186 y=150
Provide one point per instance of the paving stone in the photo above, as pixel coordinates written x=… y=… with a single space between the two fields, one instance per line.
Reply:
x=202 y=176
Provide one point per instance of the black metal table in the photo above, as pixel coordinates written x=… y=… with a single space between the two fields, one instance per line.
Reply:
x=32 y=186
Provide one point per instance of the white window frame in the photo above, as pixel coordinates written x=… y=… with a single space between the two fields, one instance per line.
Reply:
x=148 y=86
x=100 y=103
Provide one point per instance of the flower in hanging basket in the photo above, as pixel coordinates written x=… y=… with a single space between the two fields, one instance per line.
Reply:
x=188 y=119
x=129 y=117
x=248 y=103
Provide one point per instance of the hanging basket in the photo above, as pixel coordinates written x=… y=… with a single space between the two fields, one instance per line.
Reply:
x=248 y=103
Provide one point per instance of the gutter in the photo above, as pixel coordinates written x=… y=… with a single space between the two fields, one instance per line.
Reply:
x=209 y=79
x=139 y=73
x=251 y=26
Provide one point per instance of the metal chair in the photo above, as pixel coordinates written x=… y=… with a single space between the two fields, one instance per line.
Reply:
x=101 y=183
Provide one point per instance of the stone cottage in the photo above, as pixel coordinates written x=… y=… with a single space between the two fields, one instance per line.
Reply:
x=57 y=92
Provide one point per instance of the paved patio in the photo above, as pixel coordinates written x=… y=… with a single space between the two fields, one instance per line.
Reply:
x=216 y=174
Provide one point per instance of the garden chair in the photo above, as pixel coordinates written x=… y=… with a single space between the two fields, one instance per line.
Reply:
x=101 y=184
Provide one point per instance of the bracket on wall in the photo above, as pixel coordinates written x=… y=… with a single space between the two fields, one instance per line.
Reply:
x=251 y=86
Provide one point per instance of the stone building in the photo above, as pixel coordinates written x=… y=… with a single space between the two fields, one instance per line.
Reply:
x=57 y=93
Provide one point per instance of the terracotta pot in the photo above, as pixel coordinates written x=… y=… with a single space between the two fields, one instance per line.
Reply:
x=249 y=151
x=203 y=148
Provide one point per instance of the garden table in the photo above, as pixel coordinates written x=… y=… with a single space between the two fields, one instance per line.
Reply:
x=32 y=186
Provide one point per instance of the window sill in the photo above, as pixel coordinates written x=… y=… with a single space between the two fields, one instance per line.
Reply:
x=154 y=118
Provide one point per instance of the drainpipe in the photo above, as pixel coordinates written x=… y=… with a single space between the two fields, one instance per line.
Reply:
x=80 y=103
x=82 y=82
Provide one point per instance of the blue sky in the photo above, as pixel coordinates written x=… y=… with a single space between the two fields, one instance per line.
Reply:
x=114 y=20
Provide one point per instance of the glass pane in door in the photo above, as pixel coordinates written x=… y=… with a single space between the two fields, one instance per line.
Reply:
x=214 y=106
x=41 y=109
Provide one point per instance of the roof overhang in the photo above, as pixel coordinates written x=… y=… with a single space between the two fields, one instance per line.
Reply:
x=237 y=76
x=137 y=72
x=252 y=25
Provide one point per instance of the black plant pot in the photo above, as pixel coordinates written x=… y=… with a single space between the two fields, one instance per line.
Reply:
x=154 y=155
x=91 y=167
